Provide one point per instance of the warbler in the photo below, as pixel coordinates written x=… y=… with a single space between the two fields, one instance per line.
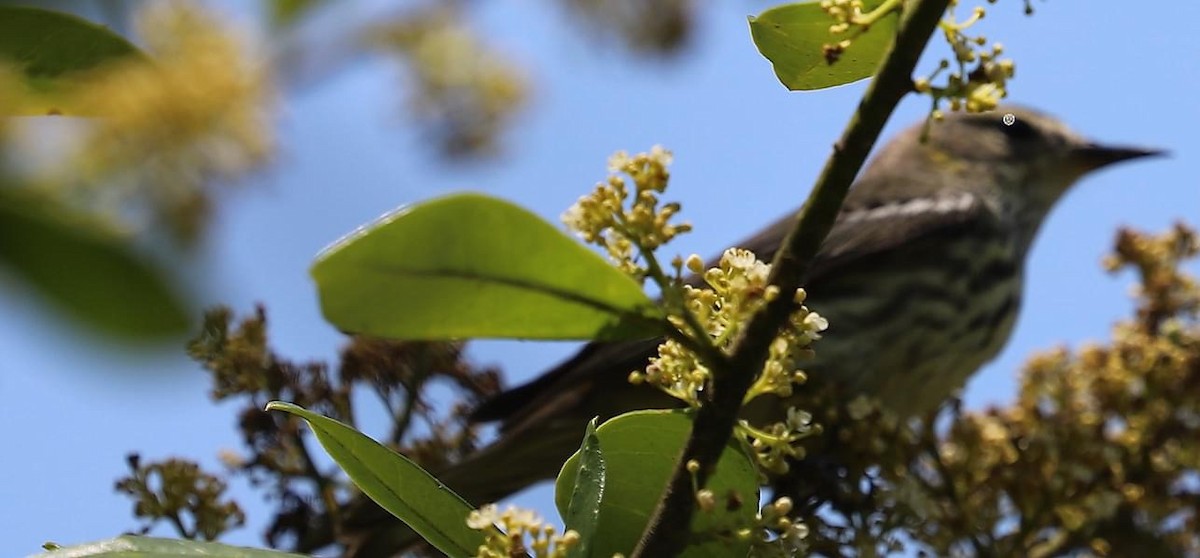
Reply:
x=920 y=280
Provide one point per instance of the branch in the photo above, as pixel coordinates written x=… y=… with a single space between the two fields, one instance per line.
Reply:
x=669 y=528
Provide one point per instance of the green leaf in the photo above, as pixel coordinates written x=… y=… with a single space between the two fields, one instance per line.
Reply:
x=583 y=512
x=468 y=265
x=132 y=546
x=640 y=451
x=52 y=51
x=86 y=269
x=398 y=485
x=791 y=37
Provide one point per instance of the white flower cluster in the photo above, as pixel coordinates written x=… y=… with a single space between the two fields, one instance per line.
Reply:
x=518 y=532
x=601 y=217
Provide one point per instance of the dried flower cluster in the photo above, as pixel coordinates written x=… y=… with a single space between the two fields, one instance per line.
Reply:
x=310 y=500
x=178 y=492
x=1098 y=455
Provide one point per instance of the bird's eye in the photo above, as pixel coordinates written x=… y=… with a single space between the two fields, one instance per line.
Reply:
x=1016 y=128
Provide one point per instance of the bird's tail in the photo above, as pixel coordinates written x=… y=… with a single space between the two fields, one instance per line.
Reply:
x=511 y=464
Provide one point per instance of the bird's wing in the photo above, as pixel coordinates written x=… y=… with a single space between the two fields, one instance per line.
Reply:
x=863 y=229
x=530 y=397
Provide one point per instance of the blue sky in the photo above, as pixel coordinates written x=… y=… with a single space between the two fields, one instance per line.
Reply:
x=746 y=151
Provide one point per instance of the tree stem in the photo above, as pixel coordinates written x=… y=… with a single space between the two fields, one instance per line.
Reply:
x=668 y=532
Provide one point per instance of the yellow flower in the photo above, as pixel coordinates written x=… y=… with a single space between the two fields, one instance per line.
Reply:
x=202 y=100
x=198 y=112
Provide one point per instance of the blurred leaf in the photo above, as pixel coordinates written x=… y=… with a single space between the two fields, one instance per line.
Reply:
x=287 y=12
x=583 y=512
x=791 y=37
x=91 y=272
x=51 y=51
x=640 y=451
x=468 y=265
x=131 y=546
x=398 y=485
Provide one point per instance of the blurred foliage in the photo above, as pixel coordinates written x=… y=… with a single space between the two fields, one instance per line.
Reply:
x=87 y=269
x=195 y=111
x=83 y=212
x=199 y=116
x=52 y=70
x=462 y=92
x=284 y=13
x=657 y=27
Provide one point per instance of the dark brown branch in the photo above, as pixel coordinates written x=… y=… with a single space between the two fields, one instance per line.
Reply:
x=668 y=531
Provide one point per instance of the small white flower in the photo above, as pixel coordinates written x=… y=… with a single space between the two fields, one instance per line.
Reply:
x=484 y=517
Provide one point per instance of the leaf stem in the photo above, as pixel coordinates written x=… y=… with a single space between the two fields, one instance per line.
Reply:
x=696 y=339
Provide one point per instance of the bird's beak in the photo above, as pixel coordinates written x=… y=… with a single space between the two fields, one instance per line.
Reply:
x=1093 y=156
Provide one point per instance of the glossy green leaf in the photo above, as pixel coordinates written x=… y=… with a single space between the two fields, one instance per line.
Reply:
x=640 y=451
x=132 y=546
x=468 y=265
x=791 y=37
x=86 y=269
x=398 y=485
x=51 y=51
x=583 y=511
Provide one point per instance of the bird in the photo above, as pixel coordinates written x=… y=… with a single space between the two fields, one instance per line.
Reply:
x=920 y=280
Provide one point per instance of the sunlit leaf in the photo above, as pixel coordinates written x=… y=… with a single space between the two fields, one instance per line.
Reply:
x=398 y=485
x=583 y=511
x=640 y=451
x=791 y=37
x=468 y=265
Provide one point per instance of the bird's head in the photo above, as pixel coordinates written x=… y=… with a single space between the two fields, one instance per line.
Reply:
x=1018 y=158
